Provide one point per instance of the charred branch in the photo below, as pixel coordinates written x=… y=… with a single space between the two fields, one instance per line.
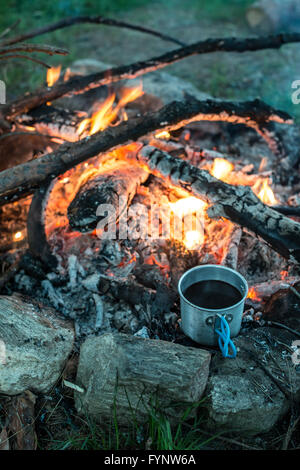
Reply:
x=83 y=84
x=24 y=179
x=24 y=57
x=51 y=50
x=88 y=19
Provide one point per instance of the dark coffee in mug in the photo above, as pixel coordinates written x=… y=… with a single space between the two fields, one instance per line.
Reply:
x=212 y=294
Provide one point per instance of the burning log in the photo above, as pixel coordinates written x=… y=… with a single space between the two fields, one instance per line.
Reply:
x=236 y=203
x=230 y=258
x=114 y=186
x=264 y=290
x=82 y=84
x=24 y=179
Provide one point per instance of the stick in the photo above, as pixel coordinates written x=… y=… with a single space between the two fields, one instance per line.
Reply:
x=88 y=19
x=20 y=56
x=51 y=50
x=236 y=203
x=25 y=178
x=82 y=84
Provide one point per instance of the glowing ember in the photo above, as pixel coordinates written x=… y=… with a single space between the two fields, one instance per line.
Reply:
x=53 y=75
x=284 y=275
x=221 y=168
x=163 y=135
x=18 y=236
x=187 y=205
x=105 y=114
x=252 y=294
x=264 y=192
x=192 y=240
x=153 y=261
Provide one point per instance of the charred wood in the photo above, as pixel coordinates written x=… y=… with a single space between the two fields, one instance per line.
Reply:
x=24 y=179
x=116 y=186
x=158 y=301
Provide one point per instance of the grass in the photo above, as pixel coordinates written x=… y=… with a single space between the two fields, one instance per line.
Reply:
x=156 y=434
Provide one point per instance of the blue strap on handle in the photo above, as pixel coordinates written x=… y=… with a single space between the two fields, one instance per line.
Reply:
x=224 y=338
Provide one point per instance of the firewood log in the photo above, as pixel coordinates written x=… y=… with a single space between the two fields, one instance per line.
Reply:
x=116 y=186
x=273 y=15
x=130 y=376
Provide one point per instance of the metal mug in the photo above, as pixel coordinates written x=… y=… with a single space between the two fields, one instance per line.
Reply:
x=200 y=323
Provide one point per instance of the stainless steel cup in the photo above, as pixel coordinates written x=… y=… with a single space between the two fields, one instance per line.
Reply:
x=200 y=323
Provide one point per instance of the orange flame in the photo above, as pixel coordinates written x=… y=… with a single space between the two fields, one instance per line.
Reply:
x=264 y=192
x=53 y=75
x=192 y=239
x=105 y=113
x=163 y=135
x=252 y=294
x=187 y=206
x=221 y=168
x=18 y=236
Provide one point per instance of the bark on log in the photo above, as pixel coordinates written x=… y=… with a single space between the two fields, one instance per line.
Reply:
x=130 y=376
x=116 y=186
x=83 y=84
x=35 y=343
x=24 y=179
x=273 y=15
x=236 y=203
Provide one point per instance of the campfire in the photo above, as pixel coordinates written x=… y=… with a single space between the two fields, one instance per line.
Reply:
x=120 y=194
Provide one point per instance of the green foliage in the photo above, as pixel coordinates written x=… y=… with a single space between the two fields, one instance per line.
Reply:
x=156 y=434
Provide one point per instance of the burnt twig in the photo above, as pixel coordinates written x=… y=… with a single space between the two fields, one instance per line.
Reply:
x=89 y=19
x=26 y=57
x=51 y=50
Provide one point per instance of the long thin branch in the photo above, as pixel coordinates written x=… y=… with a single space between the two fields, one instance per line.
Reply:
x=51 y=50
x=25 y=57
x=25 y=178
x=236 y=203
x=78 y=85
x=88 y=19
